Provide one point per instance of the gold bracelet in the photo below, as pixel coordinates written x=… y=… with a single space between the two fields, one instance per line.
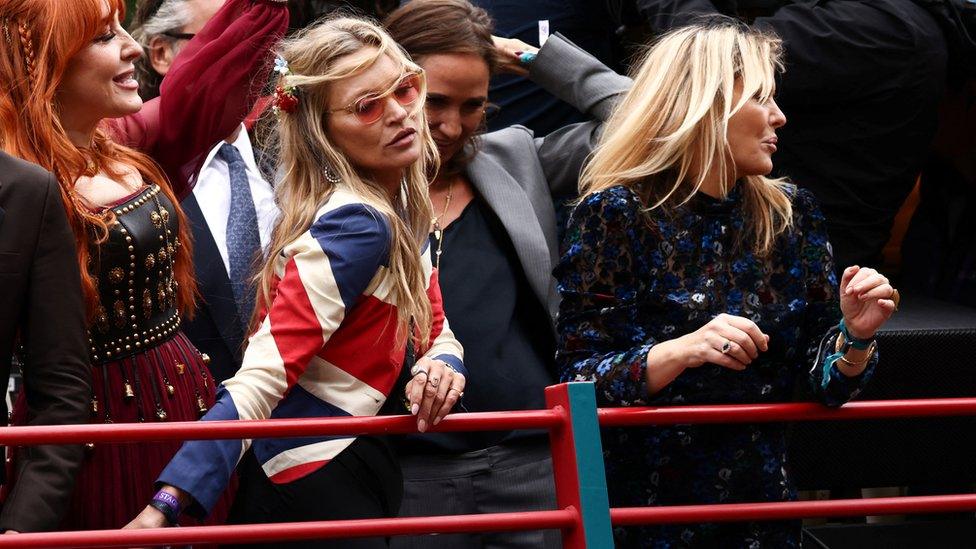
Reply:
x=854 y=364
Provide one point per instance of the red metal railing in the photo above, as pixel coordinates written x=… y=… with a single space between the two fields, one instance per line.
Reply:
x=794 y=411
x=571 y=517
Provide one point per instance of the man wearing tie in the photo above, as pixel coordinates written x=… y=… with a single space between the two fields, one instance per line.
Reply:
x=231 y=209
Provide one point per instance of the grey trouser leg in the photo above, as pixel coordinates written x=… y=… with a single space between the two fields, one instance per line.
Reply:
x=499 y=479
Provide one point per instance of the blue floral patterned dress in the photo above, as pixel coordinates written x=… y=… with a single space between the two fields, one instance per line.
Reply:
x=630 y=278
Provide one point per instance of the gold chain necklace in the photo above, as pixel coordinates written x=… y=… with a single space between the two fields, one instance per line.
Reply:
x=436 y=224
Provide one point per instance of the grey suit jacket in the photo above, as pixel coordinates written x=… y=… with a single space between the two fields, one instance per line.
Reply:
x=519 y=174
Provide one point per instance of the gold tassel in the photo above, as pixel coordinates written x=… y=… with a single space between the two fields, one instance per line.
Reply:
x=201 y=405
x=180 y=368
x=94 y=405
x=161 y=414
x=129 y=393
x=170 y=389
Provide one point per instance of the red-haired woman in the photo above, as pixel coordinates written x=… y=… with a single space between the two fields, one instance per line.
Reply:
x=68 y=67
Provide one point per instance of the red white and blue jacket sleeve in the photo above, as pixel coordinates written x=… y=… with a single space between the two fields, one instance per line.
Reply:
x=323 y=277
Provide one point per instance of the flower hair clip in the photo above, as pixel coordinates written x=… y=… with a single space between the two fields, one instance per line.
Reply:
x=285 y=98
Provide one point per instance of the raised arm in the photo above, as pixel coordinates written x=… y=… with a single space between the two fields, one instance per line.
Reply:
x=573 y=75
x=213 y=85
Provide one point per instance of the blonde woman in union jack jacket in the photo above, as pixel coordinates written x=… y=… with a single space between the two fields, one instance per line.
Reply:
x=349 y=295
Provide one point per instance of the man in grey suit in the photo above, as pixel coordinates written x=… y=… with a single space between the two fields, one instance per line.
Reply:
x=494 y=244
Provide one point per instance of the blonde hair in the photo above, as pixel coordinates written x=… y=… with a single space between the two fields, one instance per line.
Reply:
x=669 y=132
x=305 y=151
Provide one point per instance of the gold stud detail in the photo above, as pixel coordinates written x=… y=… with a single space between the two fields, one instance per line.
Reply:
x=147 y=303
x=116 y=275
x=119 y=309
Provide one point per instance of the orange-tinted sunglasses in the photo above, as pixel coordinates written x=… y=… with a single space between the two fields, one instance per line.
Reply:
x=370 y=108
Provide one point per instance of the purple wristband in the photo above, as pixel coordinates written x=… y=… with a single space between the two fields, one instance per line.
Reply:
x=168 y=505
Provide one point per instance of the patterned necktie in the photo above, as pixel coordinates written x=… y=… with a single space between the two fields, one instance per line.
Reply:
x=243 y=238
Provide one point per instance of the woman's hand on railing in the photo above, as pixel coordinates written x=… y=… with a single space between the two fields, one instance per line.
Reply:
x=148 y=518
x=433 y=391
x=153 y=517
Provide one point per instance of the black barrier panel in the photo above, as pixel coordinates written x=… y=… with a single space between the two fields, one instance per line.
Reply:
x=928 y=350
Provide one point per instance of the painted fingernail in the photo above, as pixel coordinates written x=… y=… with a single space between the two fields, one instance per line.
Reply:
x=414 y=408
x=421 y=426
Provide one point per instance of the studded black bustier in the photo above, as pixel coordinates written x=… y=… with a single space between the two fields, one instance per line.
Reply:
x=136 y=286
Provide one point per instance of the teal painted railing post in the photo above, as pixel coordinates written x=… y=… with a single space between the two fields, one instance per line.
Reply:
x=577 y=460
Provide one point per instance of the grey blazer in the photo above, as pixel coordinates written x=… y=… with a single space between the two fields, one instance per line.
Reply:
x=518 y=174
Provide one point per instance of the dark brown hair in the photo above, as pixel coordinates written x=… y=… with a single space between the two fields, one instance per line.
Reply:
x=427 y=27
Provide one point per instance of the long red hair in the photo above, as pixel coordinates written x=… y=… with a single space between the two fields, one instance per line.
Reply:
x=38 y=39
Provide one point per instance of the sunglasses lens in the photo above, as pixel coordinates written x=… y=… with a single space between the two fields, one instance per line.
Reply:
x=369 y=110
x=408 y=91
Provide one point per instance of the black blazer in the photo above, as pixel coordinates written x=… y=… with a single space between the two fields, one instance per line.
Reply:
x=42 y=308
x=216 y=327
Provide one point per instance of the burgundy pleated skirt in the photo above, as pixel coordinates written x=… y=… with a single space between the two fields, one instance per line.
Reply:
x=169 y=382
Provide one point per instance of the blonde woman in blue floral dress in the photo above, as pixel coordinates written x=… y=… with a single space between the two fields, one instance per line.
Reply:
x=691 y=278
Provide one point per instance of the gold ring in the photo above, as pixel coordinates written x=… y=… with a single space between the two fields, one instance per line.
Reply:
x=433 y=381
x=459 y=392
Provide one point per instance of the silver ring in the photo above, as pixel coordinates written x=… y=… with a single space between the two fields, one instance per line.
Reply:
x=417 y=369
x=727 y=347
x=433 y=381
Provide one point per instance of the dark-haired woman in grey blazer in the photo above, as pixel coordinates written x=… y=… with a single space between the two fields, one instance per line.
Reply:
x=494 y=242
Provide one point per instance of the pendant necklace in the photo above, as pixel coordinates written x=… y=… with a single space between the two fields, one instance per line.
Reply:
x=436 y=224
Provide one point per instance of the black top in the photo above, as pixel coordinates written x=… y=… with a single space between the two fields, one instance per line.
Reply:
x=507 y=336
x=862 y=83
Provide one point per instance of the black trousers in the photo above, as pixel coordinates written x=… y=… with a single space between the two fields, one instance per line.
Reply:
x=363 y=481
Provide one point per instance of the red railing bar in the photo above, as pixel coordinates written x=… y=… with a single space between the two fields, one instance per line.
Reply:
x=272 y=428
x=290 y=531
x=482 y=421
x=796 y=411
x=633 y=516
